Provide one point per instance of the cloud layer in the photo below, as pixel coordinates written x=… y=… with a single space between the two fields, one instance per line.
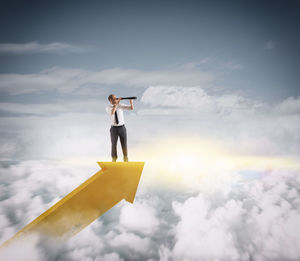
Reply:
x=252 y=221
x=249 y=125
x=66 y=128
x=249 y=219
x=231 y=219
x=66 y=81
x=35 y=47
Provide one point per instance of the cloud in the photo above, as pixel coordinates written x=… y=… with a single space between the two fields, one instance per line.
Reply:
x=291 y=105
x=109 y=257
x=250 y=222
x=60 y=80
x=26 y=193
x=50 y=109
x=79 y=127
x=132 y=241
x=139 y=217
x=246 y=125
x=65 y=81
x=35 y=47
x=196 y=99
x=29 y=251
x=68 y=135
x=253 y=219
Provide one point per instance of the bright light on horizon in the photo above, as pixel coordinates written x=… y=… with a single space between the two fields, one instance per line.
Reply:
x=193 y=163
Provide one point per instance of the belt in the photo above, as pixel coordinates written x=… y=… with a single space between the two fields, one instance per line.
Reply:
x=118 y=126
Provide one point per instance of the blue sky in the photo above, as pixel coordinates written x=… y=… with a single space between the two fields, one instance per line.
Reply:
x=217 y=121
x=258 y=37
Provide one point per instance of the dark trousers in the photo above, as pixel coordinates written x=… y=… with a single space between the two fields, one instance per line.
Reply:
x=115 y=132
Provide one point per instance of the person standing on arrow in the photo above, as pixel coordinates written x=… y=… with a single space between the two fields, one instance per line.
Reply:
x=118 y=129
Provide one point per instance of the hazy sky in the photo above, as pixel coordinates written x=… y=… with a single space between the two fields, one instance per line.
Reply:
x=217 y=122
x=251 y=45
x=60 y=58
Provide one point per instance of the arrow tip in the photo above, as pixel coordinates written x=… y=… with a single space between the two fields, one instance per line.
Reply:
x=130 y=172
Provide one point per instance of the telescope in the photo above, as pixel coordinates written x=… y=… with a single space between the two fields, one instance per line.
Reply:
x=128 y=98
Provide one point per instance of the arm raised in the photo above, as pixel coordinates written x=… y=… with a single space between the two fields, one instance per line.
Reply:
x=131 y=104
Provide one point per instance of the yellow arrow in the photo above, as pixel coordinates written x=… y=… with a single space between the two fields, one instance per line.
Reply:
x=114 y=182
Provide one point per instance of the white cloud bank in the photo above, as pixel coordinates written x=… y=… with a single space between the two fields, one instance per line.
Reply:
x=196 y=99
x=29 y=188
x=247 y=125
x=139 y=217
x=256 y=219
x=77 y=126
x=35 y=47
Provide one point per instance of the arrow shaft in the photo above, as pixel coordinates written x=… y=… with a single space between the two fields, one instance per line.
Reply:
x=88 y=201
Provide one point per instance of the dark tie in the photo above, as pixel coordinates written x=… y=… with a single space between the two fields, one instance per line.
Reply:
x=116 y=117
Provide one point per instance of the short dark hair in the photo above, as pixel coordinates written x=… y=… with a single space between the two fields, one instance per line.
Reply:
x=110 y=96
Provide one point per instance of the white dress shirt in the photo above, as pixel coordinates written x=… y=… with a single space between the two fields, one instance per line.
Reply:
x=119 y=111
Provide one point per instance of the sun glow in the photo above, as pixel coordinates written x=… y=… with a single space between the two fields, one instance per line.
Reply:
x=193 y=163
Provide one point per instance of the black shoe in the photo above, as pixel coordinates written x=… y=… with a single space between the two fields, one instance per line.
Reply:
x=114 y=159
x=125 y=159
